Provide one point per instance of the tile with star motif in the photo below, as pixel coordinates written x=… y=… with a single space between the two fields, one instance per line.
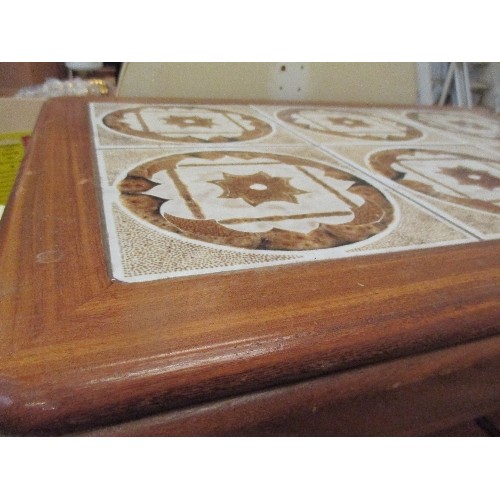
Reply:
x=337 y=124
x=460 y=182
x=477 y=127
x=163 y=125
x=179 y=211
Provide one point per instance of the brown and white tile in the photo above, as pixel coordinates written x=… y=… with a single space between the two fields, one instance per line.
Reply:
x=164 y=125
x=337 y=124
x=459 y=182
x=179 y=211
x=469 y=126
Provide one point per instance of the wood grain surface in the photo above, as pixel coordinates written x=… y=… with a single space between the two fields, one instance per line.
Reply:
x=413 y=396
x=78 y=350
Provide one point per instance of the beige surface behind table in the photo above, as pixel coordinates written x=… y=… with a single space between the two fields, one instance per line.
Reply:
x=372 y=82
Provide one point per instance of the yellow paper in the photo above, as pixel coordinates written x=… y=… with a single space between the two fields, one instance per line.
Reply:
x=11 y=155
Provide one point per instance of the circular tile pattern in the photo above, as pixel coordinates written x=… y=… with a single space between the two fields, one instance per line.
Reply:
x=255 y=200
x=186 y=124
x=459 y=122
x=457 y=178
x=350 y=124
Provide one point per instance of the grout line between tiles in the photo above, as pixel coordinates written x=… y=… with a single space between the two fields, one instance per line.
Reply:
x=422 y=204
x=285 y=126
x=302 y=141
x=352 y=164
x=355 y=142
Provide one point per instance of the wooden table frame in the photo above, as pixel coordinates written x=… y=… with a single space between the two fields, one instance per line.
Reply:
x=301 y=349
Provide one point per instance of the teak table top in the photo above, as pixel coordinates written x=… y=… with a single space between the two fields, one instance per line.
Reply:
x=80 y=349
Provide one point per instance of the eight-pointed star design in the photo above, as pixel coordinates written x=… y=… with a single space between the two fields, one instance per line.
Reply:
x=347 y=122
x=258 y=188
x=189 y=121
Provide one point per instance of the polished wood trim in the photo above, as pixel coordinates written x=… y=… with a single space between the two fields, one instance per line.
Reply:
x=78 y=349
x=412 y=396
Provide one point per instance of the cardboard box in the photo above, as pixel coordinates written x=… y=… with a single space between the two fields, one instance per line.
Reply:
x=18 y=113
x=18 y=117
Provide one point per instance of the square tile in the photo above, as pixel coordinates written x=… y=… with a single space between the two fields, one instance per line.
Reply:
x=336 y=124
x=178 y=211
x=164 y=125
x=459 y=182
x=471 y=127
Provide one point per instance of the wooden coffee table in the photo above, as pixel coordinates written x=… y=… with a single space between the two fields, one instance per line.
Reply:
x=215 y=268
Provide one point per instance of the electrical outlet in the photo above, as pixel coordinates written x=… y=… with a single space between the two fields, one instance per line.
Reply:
x=289 y=80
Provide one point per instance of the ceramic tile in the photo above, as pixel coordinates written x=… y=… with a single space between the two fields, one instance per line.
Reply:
x=178 y=211
x=335 y=125
x=140 y=125
x=467 y=126
x=459 y=182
